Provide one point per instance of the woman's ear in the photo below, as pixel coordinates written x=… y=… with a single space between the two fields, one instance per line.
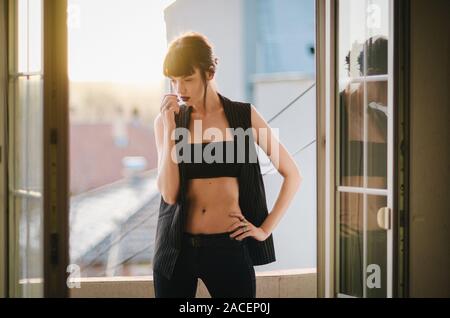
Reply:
x=210 y=73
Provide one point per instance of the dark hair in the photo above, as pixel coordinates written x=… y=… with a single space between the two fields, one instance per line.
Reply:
x=377 y=56
x=187 y=51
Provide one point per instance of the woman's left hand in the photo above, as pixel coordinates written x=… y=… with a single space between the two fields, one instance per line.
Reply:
x=243 y=228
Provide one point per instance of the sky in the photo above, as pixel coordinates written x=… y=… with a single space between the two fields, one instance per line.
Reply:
x=116 y=40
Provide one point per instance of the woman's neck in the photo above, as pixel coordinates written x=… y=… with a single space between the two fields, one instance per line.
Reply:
x=211 y=105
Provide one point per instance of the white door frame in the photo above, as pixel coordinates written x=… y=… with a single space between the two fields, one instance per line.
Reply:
x=326 y=12
x=325 y=73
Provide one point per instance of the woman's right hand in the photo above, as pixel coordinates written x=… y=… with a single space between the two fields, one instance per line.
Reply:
x=169 y=107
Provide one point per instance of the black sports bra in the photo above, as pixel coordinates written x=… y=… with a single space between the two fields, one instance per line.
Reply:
x=199 y=168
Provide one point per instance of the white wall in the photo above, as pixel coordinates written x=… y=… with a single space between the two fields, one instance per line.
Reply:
x=272 y=92
x=222 y=22
x=295 y=236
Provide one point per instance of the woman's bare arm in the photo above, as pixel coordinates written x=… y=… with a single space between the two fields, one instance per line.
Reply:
x=168 y=180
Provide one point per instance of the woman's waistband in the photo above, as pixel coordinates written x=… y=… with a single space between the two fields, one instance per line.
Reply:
x=215 y=239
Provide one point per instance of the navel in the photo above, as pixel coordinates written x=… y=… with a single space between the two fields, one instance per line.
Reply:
x=203 y=210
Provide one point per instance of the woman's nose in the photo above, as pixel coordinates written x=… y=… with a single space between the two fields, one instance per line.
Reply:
x=179 y=88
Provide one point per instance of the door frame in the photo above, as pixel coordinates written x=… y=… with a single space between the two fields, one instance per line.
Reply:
x=56 y=149
x=401 y=23
x=325 y=73
x=326 y=26
x=3 y=156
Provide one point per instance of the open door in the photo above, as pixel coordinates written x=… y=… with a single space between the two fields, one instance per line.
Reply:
x=37 y=160
x=364 y=148
x=25 y=133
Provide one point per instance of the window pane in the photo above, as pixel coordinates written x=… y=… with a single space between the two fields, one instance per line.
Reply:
x=376 y=249
x=352 y=135
x=22 y=8
x=377 y=35
x=351 y=244
x=35 y=36
x=25 y=105
x=29 y=259
x=30 y=35
x=377 y=134
x=363 y=141
x=351 y=94
x=351 y=38
x=28 y=134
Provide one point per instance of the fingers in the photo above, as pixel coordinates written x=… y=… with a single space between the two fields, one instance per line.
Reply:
x=239 y=233
x=243 y=236
x=237 y=225
x=168 y=99
x=170 y=105
x=241 y=228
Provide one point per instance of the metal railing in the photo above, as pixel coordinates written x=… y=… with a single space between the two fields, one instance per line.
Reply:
x=289 y=105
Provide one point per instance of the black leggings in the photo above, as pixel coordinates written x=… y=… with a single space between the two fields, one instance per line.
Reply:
x=222 y=263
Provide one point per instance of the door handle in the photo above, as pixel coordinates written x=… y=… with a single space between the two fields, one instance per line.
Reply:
x=384 y=218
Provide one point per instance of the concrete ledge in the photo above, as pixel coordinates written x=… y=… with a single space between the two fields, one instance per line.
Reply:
x=297 y=283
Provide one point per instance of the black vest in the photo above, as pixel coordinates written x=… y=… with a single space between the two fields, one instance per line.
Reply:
x=252 y=198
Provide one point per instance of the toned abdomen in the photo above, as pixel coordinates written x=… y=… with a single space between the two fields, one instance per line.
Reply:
x=209 y=204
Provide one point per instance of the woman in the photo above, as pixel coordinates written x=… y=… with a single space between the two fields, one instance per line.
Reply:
x=213 y=222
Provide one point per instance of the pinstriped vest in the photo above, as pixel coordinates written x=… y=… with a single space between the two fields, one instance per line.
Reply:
x=252 y=198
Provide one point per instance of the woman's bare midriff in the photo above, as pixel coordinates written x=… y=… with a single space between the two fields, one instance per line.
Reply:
x=209 y=204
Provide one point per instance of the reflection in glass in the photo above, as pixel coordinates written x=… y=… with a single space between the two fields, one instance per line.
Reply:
x=351 y=244
x=376 y=248
x=363 y=140
x=352 y=135
x=377 y=22
x=376 y=49
x=351 y=37
x=377 y=134
x=363 y=99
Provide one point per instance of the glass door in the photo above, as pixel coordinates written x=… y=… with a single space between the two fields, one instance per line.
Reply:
x=364 y=148
x=25 y=130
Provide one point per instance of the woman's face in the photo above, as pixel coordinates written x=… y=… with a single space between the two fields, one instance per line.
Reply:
x=190 y=88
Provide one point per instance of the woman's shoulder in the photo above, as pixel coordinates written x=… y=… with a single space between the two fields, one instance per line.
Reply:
x=240 y=106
